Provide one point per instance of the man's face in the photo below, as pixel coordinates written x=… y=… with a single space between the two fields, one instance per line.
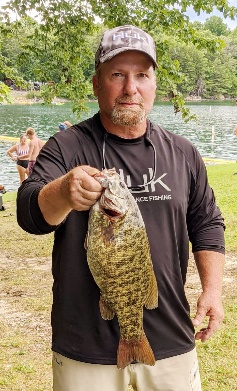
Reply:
x=125 y=86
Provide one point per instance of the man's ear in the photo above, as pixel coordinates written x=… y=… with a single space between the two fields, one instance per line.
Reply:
x=96 y=84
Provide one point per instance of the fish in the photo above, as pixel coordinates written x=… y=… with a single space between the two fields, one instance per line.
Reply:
x=118 y=256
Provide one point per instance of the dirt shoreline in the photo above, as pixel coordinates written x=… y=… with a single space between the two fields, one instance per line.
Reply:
x=20 y=97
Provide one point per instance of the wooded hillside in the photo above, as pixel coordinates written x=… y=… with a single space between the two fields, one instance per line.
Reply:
x=56 y=47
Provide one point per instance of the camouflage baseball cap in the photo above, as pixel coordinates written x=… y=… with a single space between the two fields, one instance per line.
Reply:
x=123 y=38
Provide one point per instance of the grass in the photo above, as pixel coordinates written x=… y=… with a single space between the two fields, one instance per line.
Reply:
x=217 y=358
x=224 y=183
x=25 y=301
x=18 y=243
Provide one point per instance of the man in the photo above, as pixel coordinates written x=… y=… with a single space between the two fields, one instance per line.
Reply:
x=2 y=189
x=167 y=177
x=34 y=148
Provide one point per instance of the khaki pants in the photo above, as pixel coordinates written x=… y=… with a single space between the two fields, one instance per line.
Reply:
x=178 y=373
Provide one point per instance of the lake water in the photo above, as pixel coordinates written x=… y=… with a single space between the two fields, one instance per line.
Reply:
x=212 y=134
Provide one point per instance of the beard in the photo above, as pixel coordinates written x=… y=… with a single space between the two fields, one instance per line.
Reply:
x=128 y=116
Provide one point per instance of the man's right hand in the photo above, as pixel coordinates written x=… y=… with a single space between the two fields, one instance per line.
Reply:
x=76 y=190
x=79 y=189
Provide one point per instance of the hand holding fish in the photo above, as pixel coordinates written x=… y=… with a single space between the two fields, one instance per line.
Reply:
x=79 y=189
x=76 y=190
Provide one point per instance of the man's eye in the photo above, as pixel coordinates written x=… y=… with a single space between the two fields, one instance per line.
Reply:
x=117 y=74
x=142 y=75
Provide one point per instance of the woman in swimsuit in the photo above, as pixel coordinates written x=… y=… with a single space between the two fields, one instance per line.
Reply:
x=20 y=153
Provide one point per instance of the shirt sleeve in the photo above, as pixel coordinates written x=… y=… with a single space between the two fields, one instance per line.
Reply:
x=204 y=219
x=49 y=166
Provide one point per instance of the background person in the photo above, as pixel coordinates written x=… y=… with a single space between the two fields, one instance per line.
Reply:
x=34 y=148
x=20 y=154
x=2 y=189
x=168 y=179
x=62 y=126
x=68 y=124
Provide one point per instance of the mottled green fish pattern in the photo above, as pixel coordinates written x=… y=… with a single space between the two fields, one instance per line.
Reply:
x=118 y=255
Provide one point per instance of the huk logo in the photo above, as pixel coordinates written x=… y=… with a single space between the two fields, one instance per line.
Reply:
x=124 y=35
x=148 y=187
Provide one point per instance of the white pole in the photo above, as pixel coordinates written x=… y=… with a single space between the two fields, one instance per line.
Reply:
x=213 y=134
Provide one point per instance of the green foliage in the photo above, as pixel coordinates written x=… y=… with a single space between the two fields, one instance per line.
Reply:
x=57 y=48
x=193 y=65
x=33 y=95
x=4 y=92
x=216 y=25
x=56 y=52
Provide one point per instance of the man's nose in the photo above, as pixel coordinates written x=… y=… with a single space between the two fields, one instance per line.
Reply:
x=130 y=85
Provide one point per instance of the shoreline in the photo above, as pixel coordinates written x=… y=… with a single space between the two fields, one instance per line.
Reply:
x=20 y=97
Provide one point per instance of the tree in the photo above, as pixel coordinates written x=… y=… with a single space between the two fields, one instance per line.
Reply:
x=193 y=64
x=216 y=25
x=67 y=30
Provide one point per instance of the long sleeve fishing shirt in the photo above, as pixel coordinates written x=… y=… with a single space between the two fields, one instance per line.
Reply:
x=178 y=207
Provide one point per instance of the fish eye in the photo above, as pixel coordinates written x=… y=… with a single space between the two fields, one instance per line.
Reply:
x=122 y=184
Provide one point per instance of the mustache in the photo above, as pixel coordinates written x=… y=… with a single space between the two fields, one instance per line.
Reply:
x=127 y=99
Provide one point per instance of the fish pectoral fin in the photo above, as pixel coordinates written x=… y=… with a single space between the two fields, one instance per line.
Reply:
x=129 y=351
x=151 y=301
x=106 y=312
x=86 y=241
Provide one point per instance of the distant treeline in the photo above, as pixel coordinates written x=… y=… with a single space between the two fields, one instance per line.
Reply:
x=198 y=71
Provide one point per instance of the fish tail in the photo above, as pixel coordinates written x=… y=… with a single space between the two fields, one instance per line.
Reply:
x=129 y=351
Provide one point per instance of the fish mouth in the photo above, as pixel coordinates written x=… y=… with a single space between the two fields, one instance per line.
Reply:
x=111 y=207
x=111 y=213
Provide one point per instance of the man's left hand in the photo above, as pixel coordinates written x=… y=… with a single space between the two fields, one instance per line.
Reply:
x=211 y=306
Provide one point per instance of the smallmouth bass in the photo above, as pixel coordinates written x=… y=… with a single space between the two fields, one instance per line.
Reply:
x=118 y=255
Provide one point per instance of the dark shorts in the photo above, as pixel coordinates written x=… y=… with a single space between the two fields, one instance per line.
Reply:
x=30 y=166
x=22 y=163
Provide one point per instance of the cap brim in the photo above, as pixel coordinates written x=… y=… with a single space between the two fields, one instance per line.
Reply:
x=114 y=53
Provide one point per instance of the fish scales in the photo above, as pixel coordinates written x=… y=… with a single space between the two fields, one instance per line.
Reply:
x=118 y=255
